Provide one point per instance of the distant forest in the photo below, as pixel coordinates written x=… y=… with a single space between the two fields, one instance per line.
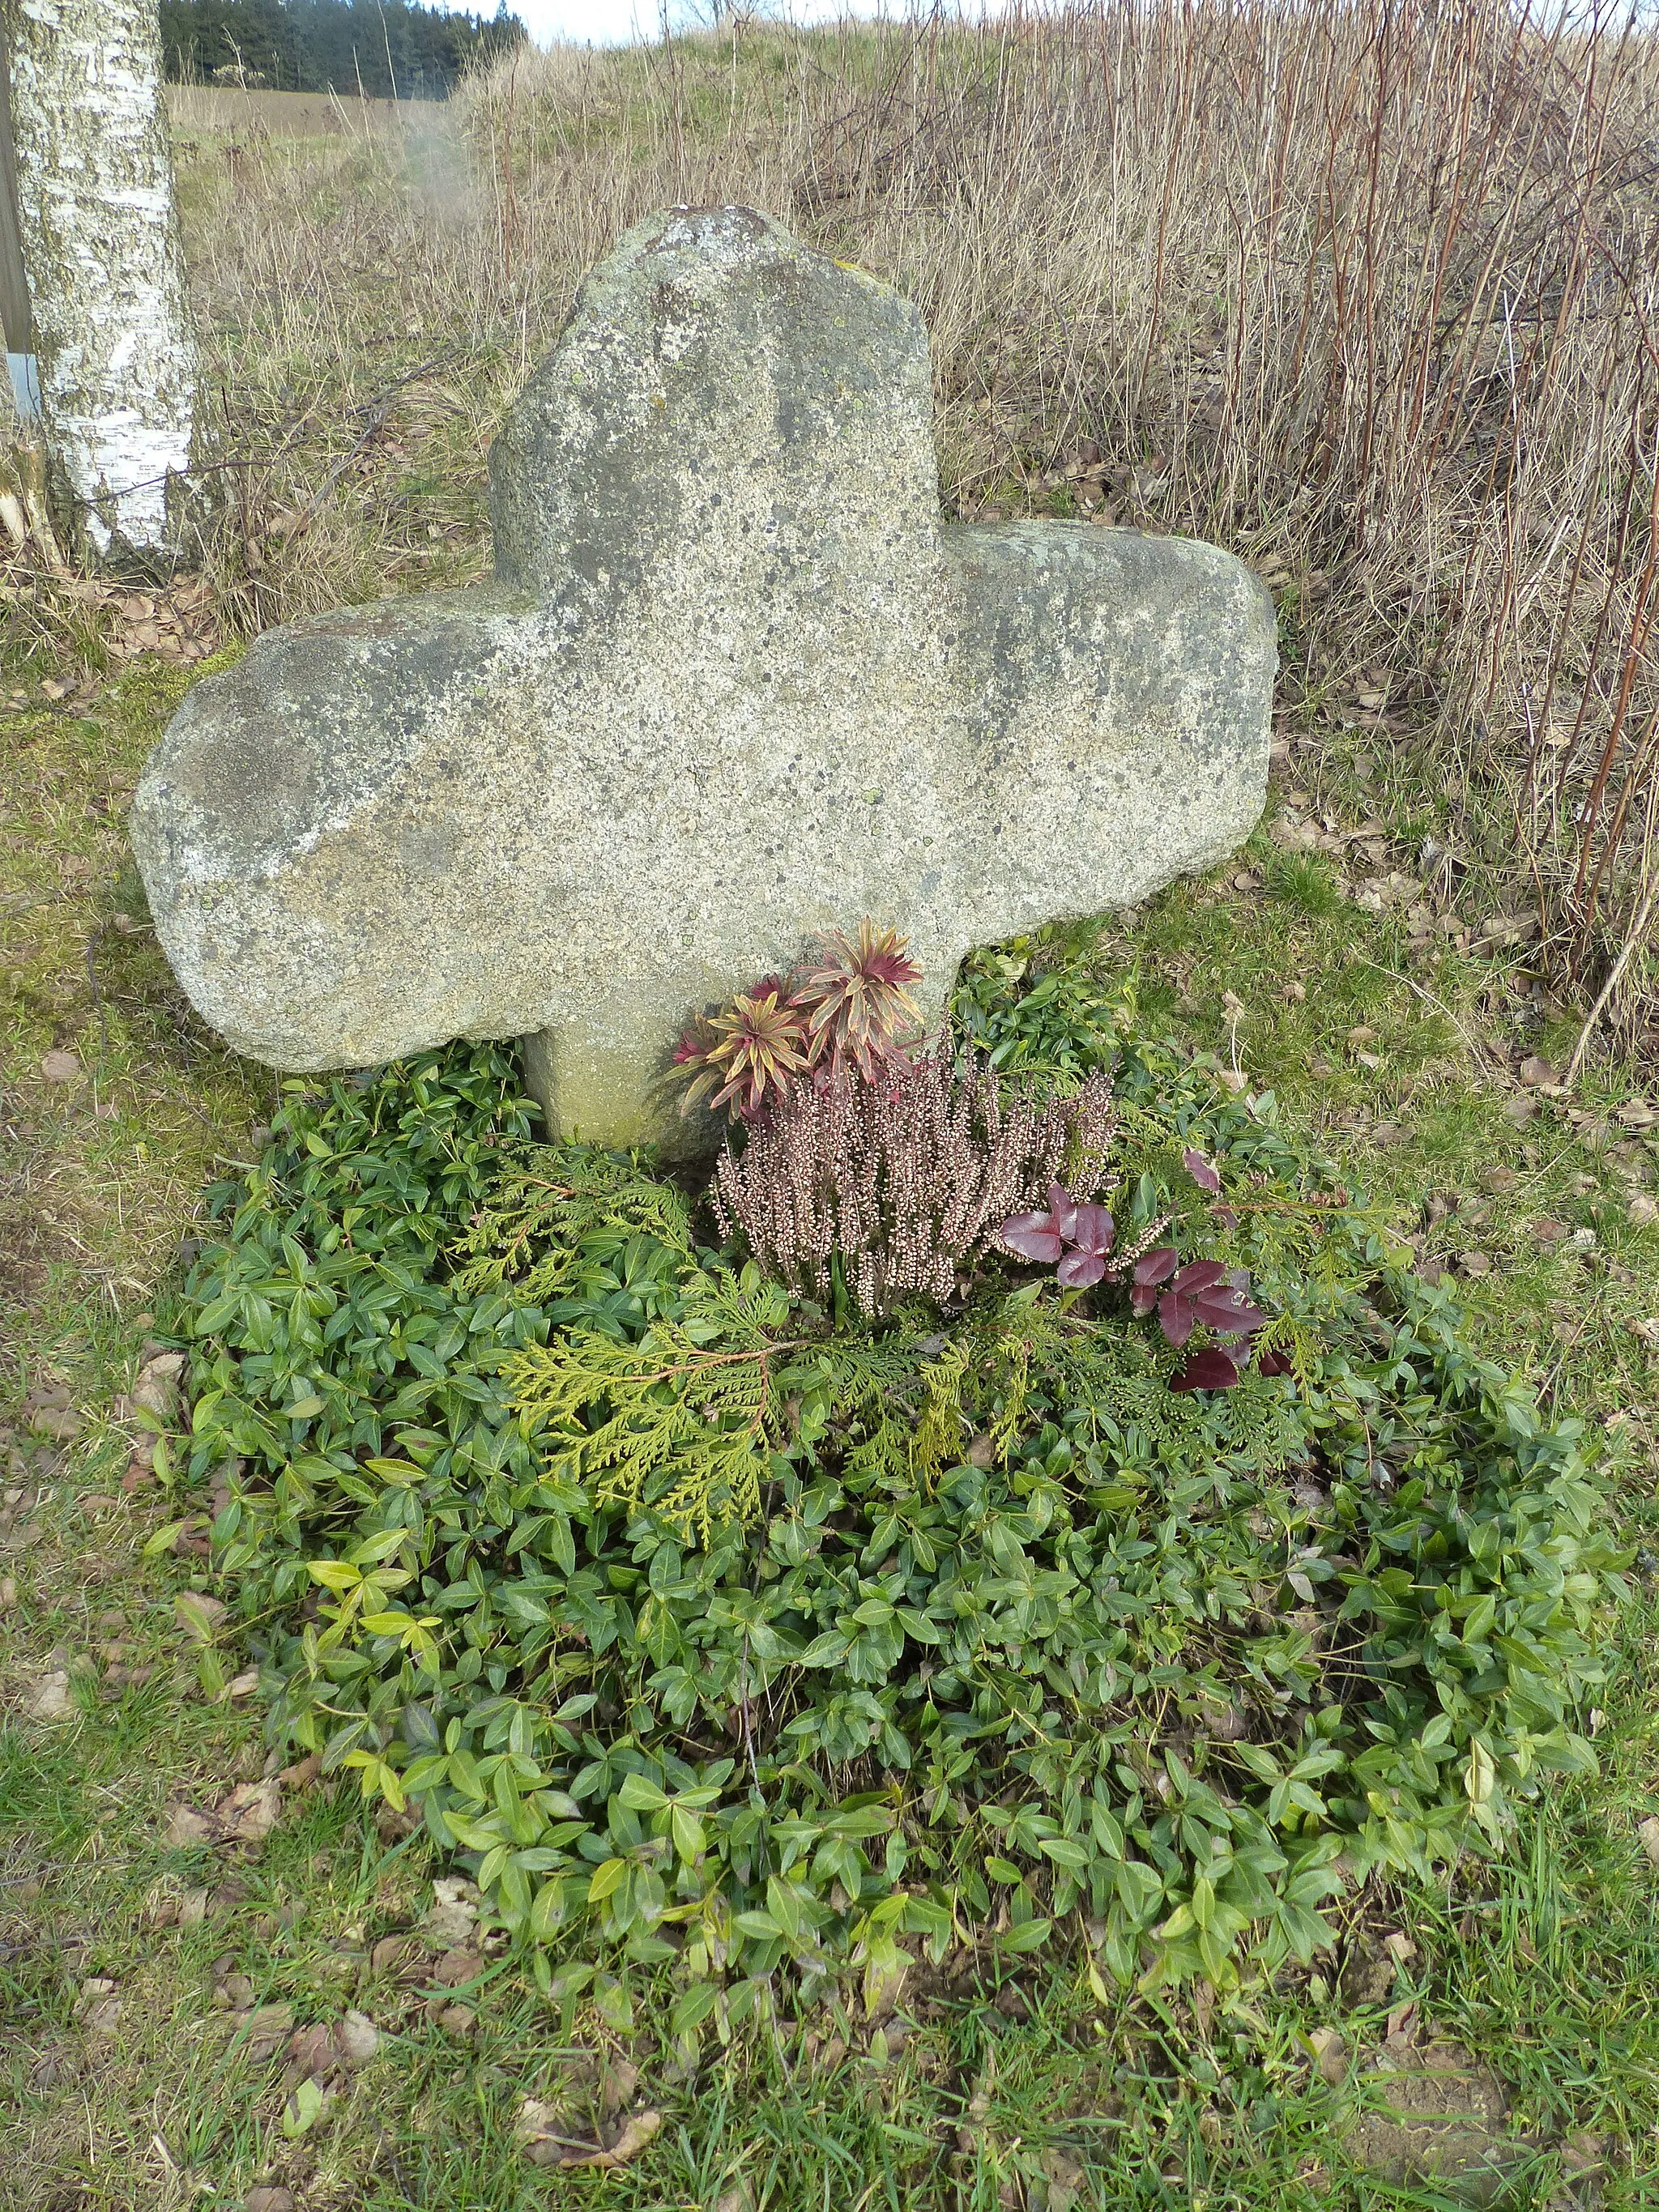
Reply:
x=387 y=48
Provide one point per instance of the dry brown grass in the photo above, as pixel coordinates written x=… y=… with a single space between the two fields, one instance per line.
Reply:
x=1365 y=292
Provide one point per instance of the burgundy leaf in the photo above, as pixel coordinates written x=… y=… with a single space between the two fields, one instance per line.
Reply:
x=1034 y=1235
x=1175 y=1318
x=1157 y=1267
x=1063 y=1207
x=1200 y=1275
x=1080 y=1268
x=1091 y=1228
x=1143 y=1297
x=1207 y=1369
x=1201 y=1170
x=1224 y=1217
x=1273 y=1362
x=1229 y=1309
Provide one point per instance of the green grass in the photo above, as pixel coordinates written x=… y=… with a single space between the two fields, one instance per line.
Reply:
x=1544 y=1963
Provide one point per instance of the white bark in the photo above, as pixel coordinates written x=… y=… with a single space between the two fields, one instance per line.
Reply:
x=119 y=371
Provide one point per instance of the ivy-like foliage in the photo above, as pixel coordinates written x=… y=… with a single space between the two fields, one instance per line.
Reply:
x=1011 y=1636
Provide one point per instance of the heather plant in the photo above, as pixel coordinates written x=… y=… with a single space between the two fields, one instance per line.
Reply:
x=898 y=1186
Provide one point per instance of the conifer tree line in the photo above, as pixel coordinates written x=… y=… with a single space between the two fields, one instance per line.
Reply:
x=385 y=48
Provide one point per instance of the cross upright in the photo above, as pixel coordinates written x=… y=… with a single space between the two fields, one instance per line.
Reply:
x=736 y=680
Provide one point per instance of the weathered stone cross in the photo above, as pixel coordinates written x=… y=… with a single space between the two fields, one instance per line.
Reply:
x=735 y=681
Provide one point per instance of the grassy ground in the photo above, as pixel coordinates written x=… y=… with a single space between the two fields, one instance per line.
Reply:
x=1339 y=961
x=133 y=2076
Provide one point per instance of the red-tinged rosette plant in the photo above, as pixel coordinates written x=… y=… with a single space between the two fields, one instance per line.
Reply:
x=852 y=1012
x=745 y=1056
x=857 y=1001
x=1072 y=1237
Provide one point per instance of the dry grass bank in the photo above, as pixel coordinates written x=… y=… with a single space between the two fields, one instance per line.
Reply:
x=1365 y=291
x=219 y=108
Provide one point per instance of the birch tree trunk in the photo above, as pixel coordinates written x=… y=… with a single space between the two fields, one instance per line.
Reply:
x=112 y=335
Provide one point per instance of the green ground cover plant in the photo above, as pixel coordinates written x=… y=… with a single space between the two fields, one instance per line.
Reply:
x=1541 y=1956
x=702 y=1633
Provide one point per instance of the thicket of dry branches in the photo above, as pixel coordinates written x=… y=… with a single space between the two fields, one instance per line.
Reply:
x=1366 y=292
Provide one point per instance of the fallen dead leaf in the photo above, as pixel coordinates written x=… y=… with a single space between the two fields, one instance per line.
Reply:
x=1402 y=2022
x=268 y=2029
x=539 y=2130
x=51 y=1699
x=61 y=1067
x=457 y=1967
x=251 y=1810
x=457 y=2019
x=243 y=1684
x=1474 y=1265
x=303 y=1774
x=1641 y=1211
x=311 y=2051
x=1330 y=2054
x=356 y=2038
x=1647 y=1834
x=188 y=1824
x=617 y=2083
x=628 y=2146
x=157 y=1388
x=61 y=1422
x=100 y=2008
x=245 y=1814
x=1066 y=2180
x=1538 y=1071
x=451 y=1924
x=393 y=1954
x=269 y=2197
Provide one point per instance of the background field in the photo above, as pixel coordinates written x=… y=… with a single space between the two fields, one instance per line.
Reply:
x=1365 y=294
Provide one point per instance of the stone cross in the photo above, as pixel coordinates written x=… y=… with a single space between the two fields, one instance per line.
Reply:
x=735 y=681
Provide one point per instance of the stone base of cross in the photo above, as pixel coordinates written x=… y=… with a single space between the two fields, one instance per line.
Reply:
x=735 y=681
